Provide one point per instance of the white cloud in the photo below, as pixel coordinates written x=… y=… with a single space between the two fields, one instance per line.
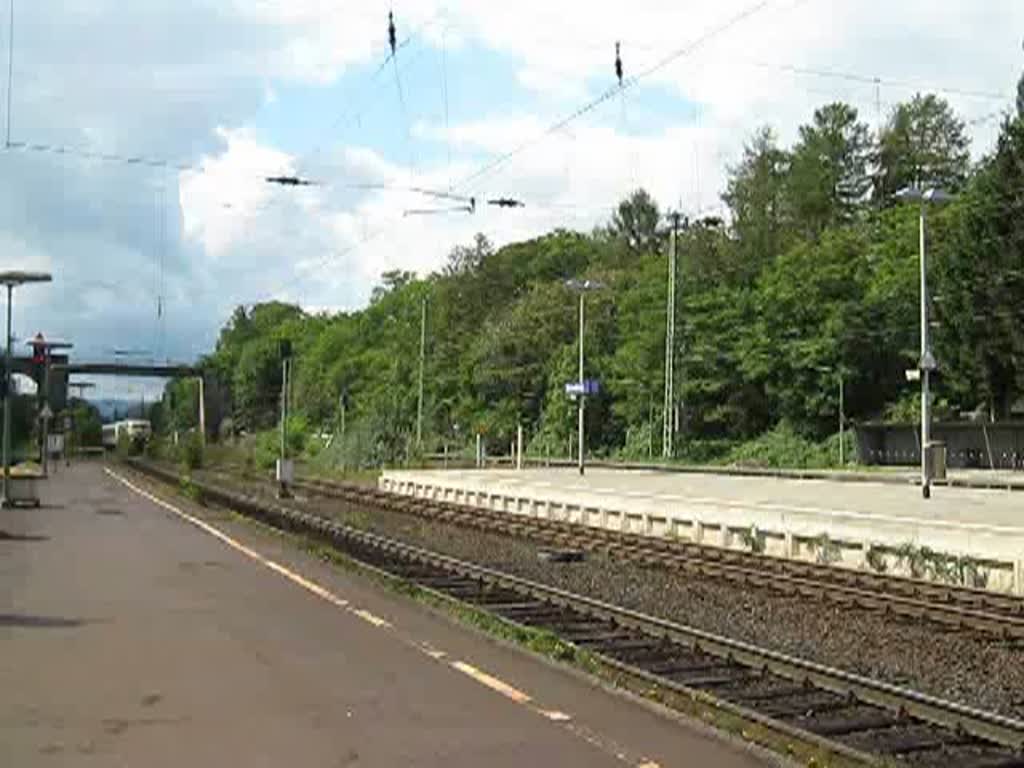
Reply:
x=219 y=199
x=185 y=82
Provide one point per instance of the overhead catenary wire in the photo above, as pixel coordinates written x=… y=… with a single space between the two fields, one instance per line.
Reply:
x=876 y=81
x=627 y=83
x=351 y=110
x=392 y=42
x=444 y=89
x=10 y=71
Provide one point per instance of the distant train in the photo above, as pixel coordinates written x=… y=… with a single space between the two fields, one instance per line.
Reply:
x=134 y=429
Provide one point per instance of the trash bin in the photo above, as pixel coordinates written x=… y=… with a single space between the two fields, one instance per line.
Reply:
x=936 y=458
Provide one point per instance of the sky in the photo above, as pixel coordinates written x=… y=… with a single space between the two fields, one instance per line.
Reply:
x=140 y=134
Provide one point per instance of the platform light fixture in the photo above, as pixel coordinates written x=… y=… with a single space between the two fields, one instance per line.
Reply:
x=582 y=287
x=925 y=198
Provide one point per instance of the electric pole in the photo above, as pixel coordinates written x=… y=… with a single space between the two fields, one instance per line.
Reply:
x=284 y=467
x=668 y=422
x=423 y=357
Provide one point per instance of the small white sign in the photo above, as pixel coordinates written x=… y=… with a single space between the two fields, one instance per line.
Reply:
x=912 y=374
x=46 y=413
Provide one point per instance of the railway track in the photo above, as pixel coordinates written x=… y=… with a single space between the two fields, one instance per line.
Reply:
x=852 y=719
x=954 y=607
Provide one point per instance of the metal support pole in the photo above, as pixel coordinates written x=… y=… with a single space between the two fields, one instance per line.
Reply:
x=283 y=491
x=925 y=373
x=650 y=426
x=284 y=408
x=423 y=356
x=582 y=398
x=202 y=411
x=842 y=424
x=45 y=431
x=479 y=454
x=668 y=427
x=7 y=403
x=519 y=446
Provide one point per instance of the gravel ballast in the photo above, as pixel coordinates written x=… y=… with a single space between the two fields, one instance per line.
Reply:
x=978 y=670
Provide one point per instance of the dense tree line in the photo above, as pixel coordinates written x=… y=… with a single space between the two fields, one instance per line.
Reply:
x=813 y=275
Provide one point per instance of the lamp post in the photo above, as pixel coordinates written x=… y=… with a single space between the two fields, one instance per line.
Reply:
x=582 y=287
x=42 y=346
x=12 y=278
x=284 y=467
x=925 y=198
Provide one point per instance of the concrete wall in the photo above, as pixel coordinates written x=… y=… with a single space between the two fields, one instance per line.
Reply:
x=993 y=555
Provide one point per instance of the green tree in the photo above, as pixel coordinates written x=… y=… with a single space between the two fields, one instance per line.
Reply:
x=1020 y=97
x=981 y=278
x=635 y=221
x=829 y=174
x=924 y=143
x=755 y=194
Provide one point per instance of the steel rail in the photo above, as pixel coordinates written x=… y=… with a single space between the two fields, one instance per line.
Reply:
x=954 y=718
x=950 y=604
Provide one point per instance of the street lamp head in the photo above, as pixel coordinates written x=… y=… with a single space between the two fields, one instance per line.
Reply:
x=932 y=196
x=582 y=286
x=938 y=196
x=909 y=195
x=13 y=277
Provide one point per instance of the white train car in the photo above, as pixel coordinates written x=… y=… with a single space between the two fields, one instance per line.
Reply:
x=134 y=429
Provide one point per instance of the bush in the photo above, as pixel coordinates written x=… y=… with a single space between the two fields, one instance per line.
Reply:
x=127 y=446
x=190 y=451
x=265 y=447
x=782 y=447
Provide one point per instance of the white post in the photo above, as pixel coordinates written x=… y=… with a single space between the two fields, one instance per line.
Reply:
x=581 y=397
x=7 y=403
x=284 y=409
x=479 y=454
x=46 y=404
x=202 y=410
x=925 y=373
x=842 y=425
x=519 y=447
x=423 y=356
x=670 y=335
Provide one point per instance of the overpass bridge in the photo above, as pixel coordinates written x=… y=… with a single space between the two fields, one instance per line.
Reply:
x=169 y=371
x=61 y=369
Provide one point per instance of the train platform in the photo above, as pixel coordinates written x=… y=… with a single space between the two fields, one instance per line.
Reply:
x=134 y=631
x=819 y=518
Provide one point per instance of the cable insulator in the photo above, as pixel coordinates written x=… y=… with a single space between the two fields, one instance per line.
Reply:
x=392 y=36
x=506 y=202
x=618 y=64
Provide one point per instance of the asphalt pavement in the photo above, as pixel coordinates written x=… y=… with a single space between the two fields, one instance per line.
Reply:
x=136 y=634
